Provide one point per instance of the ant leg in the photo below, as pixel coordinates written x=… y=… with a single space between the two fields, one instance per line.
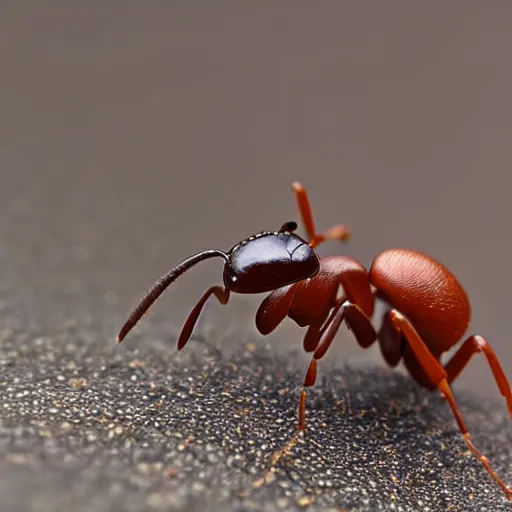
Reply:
x=312 y=336
x=439 y=377
x=475 y=345
x=338 y=232
x=305 y=209
x=274 y=308
x=360 y=323
x=390 y=341
x=363 y=330
x=222 y=295
x=317 y=328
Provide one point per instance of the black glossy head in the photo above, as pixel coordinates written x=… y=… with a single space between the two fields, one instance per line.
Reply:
x=262 y=263
x=270 y=260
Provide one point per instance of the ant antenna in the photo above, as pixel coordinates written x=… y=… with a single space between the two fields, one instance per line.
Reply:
x=160 y=286
x=290 y=226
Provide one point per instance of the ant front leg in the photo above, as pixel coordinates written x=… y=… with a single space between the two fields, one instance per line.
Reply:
x=478 y=345
x=360 y=324
x=440 y=378
x=222 y=295
x=338 y=232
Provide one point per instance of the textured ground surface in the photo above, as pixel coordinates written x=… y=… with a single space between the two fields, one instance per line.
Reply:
x=131 y=138
x=90 y=426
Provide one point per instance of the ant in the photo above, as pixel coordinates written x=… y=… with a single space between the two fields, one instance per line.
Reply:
x=428 y=310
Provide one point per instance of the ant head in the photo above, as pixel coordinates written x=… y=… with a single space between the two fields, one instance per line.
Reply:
x=270 y=260
x=263 y=262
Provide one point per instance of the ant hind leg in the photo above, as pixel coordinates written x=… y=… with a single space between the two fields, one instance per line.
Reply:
x=479 y=345
x=439 y=377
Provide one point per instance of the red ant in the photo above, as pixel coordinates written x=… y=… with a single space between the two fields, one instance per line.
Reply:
x=428 y=313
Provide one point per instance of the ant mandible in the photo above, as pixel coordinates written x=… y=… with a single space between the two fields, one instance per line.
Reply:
x=428 y=313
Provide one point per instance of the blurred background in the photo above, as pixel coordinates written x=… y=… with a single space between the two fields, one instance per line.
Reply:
x=132 y=135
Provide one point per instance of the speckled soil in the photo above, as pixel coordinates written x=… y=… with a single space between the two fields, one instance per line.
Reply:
x=89 y=426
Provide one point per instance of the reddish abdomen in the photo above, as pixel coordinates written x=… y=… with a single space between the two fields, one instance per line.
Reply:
x=426 y=292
